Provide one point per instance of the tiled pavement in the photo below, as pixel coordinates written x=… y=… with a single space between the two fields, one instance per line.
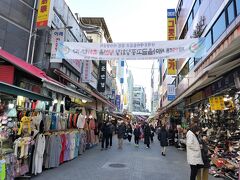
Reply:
x=139 y=164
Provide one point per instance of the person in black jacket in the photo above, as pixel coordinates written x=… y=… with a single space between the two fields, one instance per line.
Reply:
x=203 y=172
x=163 y=138
x=129 y=132
x=105 y=135
x=147 y=134
x=121 y=130
x=152 y=133
x=137 y=134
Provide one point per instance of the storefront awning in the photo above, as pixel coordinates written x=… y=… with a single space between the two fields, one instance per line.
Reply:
x=14 y=90
x=65 y=90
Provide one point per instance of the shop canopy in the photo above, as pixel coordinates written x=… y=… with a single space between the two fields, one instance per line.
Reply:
x=14 y=90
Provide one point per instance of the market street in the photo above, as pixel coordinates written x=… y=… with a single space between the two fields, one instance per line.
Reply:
x=140 y=164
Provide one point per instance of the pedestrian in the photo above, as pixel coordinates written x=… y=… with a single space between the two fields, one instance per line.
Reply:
x=120 y=133
x=152 y=132
x=137 y=134
x=203 y=172
x=111 y=130
x=129 y=132
x=194 y=156
x=105 y=135
x=163 y=138
x=147 y=134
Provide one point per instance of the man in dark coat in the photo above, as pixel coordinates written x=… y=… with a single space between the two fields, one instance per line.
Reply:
x=105 y=135
x=137 y=134
x=147 y=135
x=120 y=133
x=163 y=138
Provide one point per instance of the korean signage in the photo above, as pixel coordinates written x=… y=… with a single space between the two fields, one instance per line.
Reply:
x=87 y=71
x=102 y=76
x=76 y=63
x=114 y=71
x=57 y=37
x=118 y=102
x=172 y=67
x=216 y=103
x=183 y=48
x=171 y=92
x=171 y=35
x=45 y=10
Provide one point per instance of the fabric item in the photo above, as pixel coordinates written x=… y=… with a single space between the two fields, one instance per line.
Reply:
x=163 y=137
x=67 y=103
x=53 y=122
x=194 y=156
x=81 y=121
x=2 y=169
x=63 y=142
x=92 y=124
x=202 y=174
x=25 y=123
x=38 y=154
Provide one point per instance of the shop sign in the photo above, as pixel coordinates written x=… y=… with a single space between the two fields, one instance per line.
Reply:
x=87 y=71
x=114 y=71
x=197 y=97
x=118 y=102
x=216 y=103
x=45 y=11
x=57 y=37
x=76 y=64
x=171 y=92
x=184 y=48
x=102 y=76
x=172 y=67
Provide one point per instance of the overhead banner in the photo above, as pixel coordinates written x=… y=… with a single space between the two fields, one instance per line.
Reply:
x=45 y=11
x=171 y=35
x=87 y=72
x=102 y=76
x=184 y=48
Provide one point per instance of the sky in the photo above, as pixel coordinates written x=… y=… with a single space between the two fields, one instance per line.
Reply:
x=131 y=21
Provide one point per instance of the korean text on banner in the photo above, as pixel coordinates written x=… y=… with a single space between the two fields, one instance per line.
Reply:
x=57 y=37
x=45 y=10
x=184 y=48
x=171 y=35
x=171 y=92
x=87 y=69
x=216 y=103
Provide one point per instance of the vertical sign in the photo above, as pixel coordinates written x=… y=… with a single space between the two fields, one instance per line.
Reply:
x=114 y=71
x=122 y=71
x=118 y=102
x=171 y=35
x=57 y=37
x=102 y=76
x=171 y=92
x=45 y=10
x=87 y=71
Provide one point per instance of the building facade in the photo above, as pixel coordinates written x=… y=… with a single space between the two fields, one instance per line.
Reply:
x=139 y=99
x=130 y=91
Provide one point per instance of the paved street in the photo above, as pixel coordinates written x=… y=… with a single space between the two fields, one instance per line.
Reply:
x=139 y=164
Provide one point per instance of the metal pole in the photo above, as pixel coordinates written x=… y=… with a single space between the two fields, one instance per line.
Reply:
x=30 y=34
x=34 y=42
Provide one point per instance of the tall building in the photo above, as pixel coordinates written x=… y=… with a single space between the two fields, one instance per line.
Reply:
x=130 y=91
x=139 y=99
x=155 y=87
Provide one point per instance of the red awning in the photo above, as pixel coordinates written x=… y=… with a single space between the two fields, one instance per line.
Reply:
x=21 y=64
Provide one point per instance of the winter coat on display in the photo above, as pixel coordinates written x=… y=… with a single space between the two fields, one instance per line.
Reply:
x=163 y=137
x=121 y=131
x=194 y=156
x=147 y=134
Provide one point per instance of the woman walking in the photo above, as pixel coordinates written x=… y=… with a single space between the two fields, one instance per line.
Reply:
x=163 y=138
x=137 y=134
x=147 y=134
x=129 y=132
x=194 y=156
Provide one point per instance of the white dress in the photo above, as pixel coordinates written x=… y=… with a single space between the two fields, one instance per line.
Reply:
x=38 y=155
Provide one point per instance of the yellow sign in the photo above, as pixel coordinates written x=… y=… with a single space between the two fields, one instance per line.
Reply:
x=44 y=10
x=216 y=103
x=172 y=67
x=171 y=35
x=125 y=100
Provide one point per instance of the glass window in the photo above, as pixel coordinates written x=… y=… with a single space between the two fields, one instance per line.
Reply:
x=191 y=64
x=190 y=20
x=230 y=12
x=238 y=6
x=208 y=40
x=195 y=7
x=219 y=27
